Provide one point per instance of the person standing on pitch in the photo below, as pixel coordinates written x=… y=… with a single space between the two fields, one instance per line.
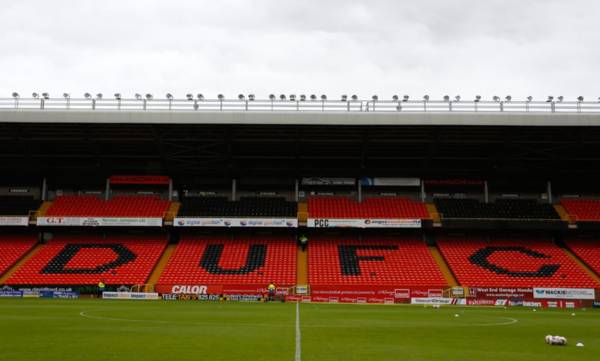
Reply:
x=101 y=287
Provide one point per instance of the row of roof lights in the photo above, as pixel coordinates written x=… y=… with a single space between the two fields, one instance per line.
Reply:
x=292 y=97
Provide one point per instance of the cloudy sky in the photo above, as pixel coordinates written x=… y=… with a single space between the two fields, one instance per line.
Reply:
x=487 y=47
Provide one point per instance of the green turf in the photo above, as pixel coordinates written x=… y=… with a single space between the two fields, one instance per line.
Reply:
x=146 y=330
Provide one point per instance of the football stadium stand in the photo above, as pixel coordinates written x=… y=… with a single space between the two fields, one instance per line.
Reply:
x=588 y=251
x=517 y=209
x=119 y=206
x=222 y=261
x=245 y=207
x=86 y=260
x=512 y=263
x=376 y=207
x=13 y=248
x=18 y=205
x=377 y=262
x=582 y=209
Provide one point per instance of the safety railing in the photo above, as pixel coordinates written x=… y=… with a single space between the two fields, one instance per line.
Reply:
x=278 y=105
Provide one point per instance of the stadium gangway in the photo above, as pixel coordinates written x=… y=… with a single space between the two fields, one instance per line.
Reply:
x=258 y=105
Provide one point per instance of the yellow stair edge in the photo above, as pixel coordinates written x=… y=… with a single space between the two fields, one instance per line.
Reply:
x=562 y=212
x=160 y=267
x=441 y=262
x=582 y=264
x=302 y=267
x=434 y=214
x=35 y=249
x=172 y=212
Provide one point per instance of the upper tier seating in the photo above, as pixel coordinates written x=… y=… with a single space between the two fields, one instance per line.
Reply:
x=87 y=260
x=13 y=248
x=119 y=206
x=512 y=263
x=18 y=205
x=501 y=209
x=381 y=207
x=588 y=251
x=399 y=263
x=254 y=261
x=245 y=207
x=582 y=209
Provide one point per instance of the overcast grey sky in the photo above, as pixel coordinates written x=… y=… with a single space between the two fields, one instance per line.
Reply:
x=487 y=47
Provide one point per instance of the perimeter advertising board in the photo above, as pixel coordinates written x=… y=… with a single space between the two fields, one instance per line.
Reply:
x=99 y=221
x=236 y=222
x=363 y=223
x=14 y=221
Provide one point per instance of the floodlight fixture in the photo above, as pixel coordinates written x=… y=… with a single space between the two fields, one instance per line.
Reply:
x=200 y=97
x=138 y=96
x=477 y=98
x=508 y=98
x=561 y=98
x=189 y=96
x=580 y=98
x=395 y=98
x=457 y=98
x=426 y=97
x=405 y=98
x=496 y=98
x=221 y=97
x=529 y=98
x=87 y=96
x=354 y=97
x=282 y=97
x=302 y=97
x=446 y=98
x=66 y=95
x=251 y=97
x=323 y=97
x=313 y=97
x=46 y=96
x=15 y=95
x=550 y=99
x=99 y=96
x=35 y=95
x=169 y=96
x=118 y=96
x=293 y=97
x=344 y=98
x=375 y=98
x=272 y=97
x=241 y=97
x=149 y=96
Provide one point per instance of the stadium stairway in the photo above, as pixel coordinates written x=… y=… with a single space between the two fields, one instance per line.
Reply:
x=20 y=262
x=302 y=213
x=172 y=213
x=434 y=214
x=41 y=212
x=441 y=262
x=302 y=267
x=580 y=262
x=158 y=269
x=564 y=215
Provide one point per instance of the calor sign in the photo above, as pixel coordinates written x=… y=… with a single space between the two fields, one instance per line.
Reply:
x=189 y=290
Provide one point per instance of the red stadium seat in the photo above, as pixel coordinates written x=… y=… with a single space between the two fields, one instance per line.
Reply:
x=379 y=207
x=119 y=206
x=582 y=209
x=401 y=263
x=86 y=260
x=13 y=248
x=253 y=261
x=512 y=263
x=588 y=251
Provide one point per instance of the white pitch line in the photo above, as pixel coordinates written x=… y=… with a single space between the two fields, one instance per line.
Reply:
x=298 y=356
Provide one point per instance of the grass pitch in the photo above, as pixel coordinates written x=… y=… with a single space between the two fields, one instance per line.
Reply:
x=33 y=329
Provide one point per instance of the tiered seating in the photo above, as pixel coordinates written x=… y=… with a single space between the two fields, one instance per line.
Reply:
x=400 y=263
x=17 y=205
x=245 y=207
x=517 y=209
x=86 y=260
x=588 y=251
x=119 y=206
x=255 y=261
x=13 y=248
x=512 y=263
x=582 y=209
x=379 y=207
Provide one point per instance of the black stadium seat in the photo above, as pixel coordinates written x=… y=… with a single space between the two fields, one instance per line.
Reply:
x=245 y=207
x=501 y=209
x=18 y=205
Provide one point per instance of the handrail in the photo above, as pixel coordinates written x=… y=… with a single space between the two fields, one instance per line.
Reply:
x=329 y=106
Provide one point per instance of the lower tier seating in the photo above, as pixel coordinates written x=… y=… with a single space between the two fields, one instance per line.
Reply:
x=512 y=263
x=588 y=251
x=400 y=263
x=254 y=261
x=119 y=206
x=13 y=248
x=87 y=260
x=377 y=207
x=582 y=209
